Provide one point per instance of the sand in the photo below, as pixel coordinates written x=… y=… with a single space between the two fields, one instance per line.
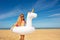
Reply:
x=39 y=34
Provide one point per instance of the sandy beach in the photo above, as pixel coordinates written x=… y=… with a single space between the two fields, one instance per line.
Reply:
x=39 y=34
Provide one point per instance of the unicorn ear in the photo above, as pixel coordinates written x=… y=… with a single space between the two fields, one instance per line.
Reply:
x=32 y=10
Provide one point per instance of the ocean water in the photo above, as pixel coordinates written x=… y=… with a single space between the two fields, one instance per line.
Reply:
x=4 y=28
x=36 y=28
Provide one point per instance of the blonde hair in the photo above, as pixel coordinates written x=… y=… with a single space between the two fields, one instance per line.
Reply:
x=19 y=19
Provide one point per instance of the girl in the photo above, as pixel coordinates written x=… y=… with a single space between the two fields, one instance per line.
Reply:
x=21 y=22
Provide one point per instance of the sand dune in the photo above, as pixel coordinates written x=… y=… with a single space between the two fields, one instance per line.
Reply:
x=39 y=34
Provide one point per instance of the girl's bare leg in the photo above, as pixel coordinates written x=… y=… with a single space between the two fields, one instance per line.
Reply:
x=22 y=37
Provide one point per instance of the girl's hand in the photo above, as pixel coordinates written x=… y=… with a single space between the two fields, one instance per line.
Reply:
x=16 y=25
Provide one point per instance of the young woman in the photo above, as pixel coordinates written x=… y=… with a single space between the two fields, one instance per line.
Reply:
x=21 y=22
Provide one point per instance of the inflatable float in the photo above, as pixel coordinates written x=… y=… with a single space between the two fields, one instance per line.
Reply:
x=28 y=28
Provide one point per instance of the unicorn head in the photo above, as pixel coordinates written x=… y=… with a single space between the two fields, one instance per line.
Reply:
x=30 y=16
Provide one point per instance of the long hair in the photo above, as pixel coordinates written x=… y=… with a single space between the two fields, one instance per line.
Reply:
x=19 y=19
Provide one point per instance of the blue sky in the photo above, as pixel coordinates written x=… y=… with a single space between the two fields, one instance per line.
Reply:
x=48 y=12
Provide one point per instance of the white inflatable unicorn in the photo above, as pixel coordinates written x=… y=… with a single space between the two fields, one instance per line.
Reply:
x=28 y=28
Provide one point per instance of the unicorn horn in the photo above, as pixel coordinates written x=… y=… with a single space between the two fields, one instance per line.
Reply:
x=33 y=10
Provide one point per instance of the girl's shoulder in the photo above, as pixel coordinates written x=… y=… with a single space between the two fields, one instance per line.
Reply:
x=24 y=21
